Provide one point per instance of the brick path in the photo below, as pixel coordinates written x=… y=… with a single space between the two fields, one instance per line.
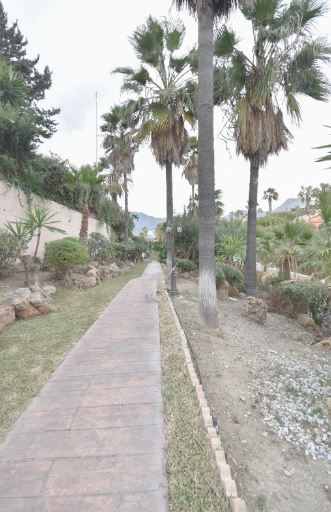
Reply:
x=91 y=441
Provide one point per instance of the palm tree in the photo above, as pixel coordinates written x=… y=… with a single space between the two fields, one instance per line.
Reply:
x=165 y=100
x=327 y=157
x=207 y=11
x=306 y=195
x=270 y=195
x=284 y=63
x=91 y=181
x=120 y=127
x=288 y=244
x=191 y=165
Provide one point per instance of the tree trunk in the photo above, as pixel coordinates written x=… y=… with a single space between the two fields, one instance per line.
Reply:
x=270 y=204
x=113 y=197
x=285 y=269
x=208 y=310
x=31 y=271
x=170 y=222
x=84 y=224
x=126 y=215
x=192 y=194
x=38 y=242
x=250 y=265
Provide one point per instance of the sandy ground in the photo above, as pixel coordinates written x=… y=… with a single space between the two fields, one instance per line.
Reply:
x=269 y=388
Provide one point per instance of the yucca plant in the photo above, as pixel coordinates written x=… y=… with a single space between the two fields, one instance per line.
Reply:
x=284 y=63
x=40 y=218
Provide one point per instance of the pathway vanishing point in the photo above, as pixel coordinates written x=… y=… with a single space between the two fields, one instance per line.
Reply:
x=92 y=440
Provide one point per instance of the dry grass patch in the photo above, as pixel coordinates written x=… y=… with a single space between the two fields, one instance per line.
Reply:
x=192 y=474
x=31 y=350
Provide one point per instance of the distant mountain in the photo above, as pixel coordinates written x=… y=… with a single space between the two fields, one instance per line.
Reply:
x=291 y=202
x=145 y=221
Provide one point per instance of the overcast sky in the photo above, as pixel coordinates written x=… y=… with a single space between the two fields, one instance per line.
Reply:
x=83 y=41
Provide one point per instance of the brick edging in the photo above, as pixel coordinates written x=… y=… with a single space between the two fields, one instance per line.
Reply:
x=228 y=483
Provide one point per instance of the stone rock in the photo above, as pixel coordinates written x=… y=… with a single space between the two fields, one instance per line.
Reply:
x=83 y=281
x=307 y=322
x=30 y=302
x=242 y=295
x=7 y=315
x=323 y=343
x=49 y=290
x=256 y=309
x=93 y=272
x=234 y=292
x=223 y=290
x=114 y=269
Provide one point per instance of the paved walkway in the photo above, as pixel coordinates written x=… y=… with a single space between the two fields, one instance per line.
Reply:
x=91 y=441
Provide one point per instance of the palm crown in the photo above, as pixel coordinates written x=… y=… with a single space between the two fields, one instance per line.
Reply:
x=285 y=63
x=163 y=84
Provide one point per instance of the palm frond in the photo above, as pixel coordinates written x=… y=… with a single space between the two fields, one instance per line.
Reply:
x=148 y=41
x=225 y=42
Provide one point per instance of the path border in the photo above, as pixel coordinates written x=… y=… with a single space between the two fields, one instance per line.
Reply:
x=228 y=483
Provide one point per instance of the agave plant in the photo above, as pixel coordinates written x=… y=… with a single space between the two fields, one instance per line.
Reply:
x=231 y=249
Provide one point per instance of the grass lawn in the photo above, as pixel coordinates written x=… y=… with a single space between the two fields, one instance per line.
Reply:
x=193 y=481
x=31 y=350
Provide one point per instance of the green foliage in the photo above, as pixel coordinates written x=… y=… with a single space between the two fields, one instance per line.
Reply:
x=234 y=276
x=310 y=294
x=10 y=250
x=65 y=253
x=219 y=272
x=231 y=248
x=185 y=265
x=186 y=238
x=100 y=248
x=161 y=250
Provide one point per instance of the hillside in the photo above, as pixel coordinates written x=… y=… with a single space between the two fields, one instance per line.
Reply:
x=145 y=221
x=291 y=202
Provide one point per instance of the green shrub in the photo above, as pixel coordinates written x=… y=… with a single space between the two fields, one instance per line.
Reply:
x=10 y=249
x=161 y=250
x=65 y=253
x=220 y=275
x=185 y=265
x=100 y=248
x=234 y=276
x=310 y=294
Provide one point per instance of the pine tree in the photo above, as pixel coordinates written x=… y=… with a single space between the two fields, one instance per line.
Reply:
x=13 y=49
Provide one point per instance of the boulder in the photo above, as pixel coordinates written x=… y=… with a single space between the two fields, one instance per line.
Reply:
x=256 y=309
x=323 y=343
x=223 y=290
x=83 y=280
x=7 y=315
x=307 y=322
x=30 y=302
x=49 y=290
x=234 y=292
x=93 y=272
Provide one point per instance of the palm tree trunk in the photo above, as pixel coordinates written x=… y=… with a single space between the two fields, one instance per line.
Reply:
x=38 y=242
x=270 y=204
x=250 y=265
x=192 y=194
x=170 y=221
x=84 y=224
x=113 y=197
x=208 y=311
x=126 y=215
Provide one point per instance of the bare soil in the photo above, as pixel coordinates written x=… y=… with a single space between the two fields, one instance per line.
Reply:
x=269 y=389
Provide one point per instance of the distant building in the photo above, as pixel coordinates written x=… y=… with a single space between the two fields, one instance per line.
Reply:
x=314 y=219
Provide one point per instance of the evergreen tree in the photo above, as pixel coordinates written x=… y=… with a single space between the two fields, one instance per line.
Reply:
x=13 y=51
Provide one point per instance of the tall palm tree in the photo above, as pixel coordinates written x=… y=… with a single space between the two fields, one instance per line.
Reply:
x=120 y=128
x=207 y=11
x=166 y=101
x=284 y=63
x=91 y=181
x=306 y=195
x=191 y=165
x=270 y=195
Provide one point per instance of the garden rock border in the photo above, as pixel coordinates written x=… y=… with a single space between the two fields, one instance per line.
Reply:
x=228 y=483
